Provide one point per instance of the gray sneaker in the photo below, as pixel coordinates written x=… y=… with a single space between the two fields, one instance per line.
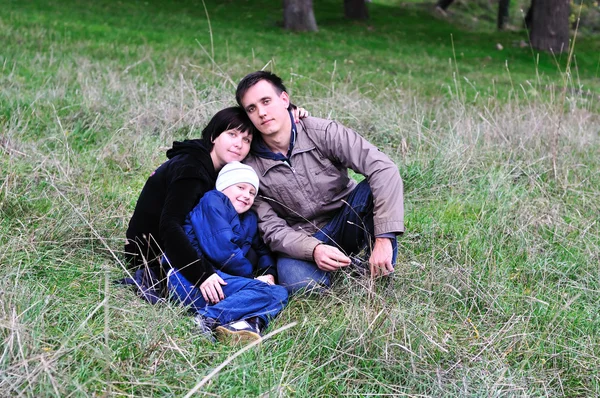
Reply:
x=206 y=327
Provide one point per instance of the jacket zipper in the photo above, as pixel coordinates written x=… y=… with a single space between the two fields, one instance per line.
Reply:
x=290 y=166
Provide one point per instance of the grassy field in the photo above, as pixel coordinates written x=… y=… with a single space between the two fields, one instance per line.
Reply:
x=497 y=287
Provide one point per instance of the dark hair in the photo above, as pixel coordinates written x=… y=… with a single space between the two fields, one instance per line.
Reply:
x=253 y=78
x=226 y=119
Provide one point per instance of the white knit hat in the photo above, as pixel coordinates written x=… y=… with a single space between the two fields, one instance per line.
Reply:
x=234 y=173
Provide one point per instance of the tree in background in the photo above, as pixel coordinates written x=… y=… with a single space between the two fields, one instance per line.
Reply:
x=549 y=27
x=503 y=13
x=443 y=4
x=529 y=15
x=356 y=9
x=298 y=16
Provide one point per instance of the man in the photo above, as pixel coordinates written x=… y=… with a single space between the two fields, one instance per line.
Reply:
x=310 y=212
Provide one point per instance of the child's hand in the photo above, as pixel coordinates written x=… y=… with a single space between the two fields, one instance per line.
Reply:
x=268 y=279
x=211 y=289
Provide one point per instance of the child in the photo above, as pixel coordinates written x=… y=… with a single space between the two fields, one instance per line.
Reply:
x=231 y=301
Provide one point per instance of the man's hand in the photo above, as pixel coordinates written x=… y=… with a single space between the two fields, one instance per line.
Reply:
x=329 y=258
x=211 y=289
x=380 y=261
x=268 y=279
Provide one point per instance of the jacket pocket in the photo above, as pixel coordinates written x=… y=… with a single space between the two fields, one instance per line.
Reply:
x=322 y=164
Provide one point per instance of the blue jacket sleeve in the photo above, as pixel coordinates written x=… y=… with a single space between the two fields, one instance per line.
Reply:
x=212 y=226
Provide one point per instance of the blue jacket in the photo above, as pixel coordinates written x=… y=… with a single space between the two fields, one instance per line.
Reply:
x=225 y=237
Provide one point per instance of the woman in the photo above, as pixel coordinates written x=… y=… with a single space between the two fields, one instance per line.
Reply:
x=173 y=189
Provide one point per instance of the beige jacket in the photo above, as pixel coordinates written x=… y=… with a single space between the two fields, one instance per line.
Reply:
x=295 y=200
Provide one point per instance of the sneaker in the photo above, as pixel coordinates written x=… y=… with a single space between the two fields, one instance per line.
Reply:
x=257 y=323
x=206 y=327
x=244 y=331
x=358 y=267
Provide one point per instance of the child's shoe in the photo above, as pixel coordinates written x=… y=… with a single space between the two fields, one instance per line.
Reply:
x=257 y=323
x=206 y=326
x=244 y=331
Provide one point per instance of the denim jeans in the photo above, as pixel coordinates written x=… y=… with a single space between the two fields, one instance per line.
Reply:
x=244 y=298
x=351 y=230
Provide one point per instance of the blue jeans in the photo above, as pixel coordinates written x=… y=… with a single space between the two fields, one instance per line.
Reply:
x=244 y=298
x=351 y=230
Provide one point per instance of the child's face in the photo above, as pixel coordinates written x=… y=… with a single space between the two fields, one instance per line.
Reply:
x=241 y=195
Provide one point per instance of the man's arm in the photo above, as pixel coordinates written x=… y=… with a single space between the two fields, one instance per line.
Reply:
x=353 y=151
x=279 y=236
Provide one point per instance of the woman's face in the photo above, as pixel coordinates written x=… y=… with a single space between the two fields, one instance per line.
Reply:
x=229 y=146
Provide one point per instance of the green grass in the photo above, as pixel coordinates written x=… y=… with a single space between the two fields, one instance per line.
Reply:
x=408 y=46
x=496 y=291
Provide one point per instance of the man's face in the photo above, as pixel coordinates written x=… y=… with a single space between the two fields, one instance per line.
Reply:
x=241 y=196
x=267 y=109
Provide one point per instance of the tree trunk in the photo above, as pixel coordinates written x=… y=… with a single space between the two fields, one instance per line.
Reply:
x=529 y=15
x=502 y=13
x=444 y=4
x=298 y=16
x=550 y=26
x=356 y=9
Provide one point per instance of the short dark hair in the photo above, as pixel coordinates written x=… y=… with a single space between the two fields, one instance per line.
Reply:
x=226 y=119
x=253 y=78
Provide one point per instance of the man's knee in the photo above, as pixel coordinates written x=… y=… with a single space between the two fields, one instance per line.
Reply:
x=300 y=272
x=308 y=287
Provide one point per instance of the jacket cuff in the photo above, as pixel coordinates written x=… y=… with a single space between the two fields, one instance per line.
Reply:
x=203 y=274
x=386 y=227
x=309 y=248
x=203 y=278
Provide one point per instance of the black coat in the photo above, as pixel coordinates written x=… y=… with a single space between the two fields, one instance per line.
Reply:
x=170 y=193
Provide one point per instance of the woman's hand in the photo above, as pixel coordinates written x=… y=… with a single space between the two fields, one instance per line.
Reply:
x=299 y=113
x=268 y=279
x=211 y=289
